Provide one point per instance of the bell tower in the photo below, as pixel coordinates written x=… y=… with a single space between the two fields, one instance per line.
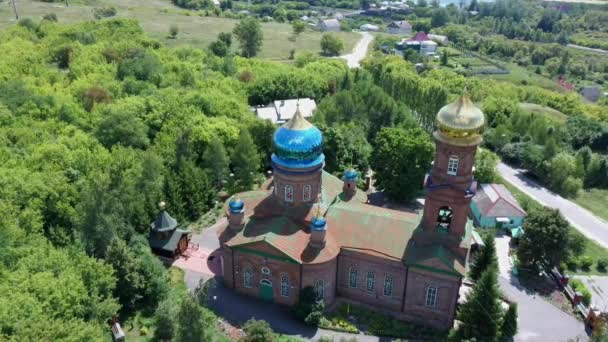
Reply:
x=450 y=184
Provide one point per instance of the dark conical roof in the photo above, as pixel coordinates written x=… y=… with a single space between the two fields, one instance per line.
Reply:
x=164 y=222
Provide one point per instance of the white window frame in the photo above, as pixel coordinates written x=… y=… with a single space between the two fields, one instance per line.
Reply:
x=247 y=278
x=388 y=285
x=284 y=285
x=306 y=193
x=320 y=289
x=431 y=296
x=370 y=282
x=453 y=165
x=288 y=193
x=265 y=270
x=352 y=281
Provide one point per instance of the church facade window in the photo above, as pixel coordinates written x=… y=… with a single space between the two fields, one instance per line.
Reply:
x=444 y=218
x=453 y=166
x=284 y=285
x=288 y=193
x=306 y=191
x=371 y=281
x=320 y=289
x=431 y=296
x=352 y=277
x=388 y=285
x=247 y=278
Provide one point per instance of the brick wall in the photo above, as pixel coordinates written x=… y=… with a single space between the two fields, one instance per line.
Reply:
x=381 y=267
x=326 y=272
x=440 y=316
x=255 y=262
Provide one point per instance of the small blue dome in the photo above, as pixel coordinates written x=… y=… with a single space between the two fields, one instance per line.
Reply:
x=350 y=175
x=318 y=223
x=298 y=144
x=236 y=205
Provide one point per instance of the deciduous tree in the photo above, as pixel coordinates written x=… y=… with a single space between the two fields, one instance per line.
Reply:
x=249 y=34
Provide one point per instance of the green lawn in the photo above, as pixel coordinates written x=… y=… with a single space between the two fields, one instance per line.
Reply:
x=592 y=249
x=156 y=16
x=538 y=109
x=594 y=200
x=520 y=75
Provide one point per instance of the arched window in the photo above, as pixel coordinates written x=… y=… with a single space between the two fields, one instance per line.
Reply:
x=247 y=277
x=444 y=218
x=288 y=193
x=320 y=289
x=284 y=285
x=431 y=296
x=388 y=285
x=453 y=165
x=306 y=193
x=371 y=281
x=352 y=277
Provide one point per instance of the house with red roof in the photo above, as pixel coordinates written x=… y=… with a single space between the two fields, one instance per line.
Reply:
x=495 y=206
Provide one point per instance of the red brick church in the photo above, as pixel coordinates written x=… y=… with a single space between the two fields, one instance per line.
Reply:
x=305 y=227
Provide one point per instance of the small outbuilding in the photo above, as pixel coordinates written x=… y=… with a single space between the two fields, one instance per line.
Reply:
x=369 y=28
x=281 y=111
x=329 y=25
x=399 y=27
x=495 y=206
x=591 y=93
x=165 y=239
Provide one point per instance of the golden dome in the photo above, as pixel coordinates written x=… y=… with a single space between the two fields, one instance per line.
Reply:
x=461 y=120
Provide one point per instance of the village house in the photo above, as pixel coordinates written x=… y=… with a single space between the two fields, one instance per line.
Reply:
x=495 y=206
x=329 y=25
x=283 y=110
x=399 y=27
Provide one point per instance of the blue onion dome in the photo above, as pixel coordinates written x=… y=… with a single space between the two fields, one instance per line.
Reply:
x=351 y=175
x=236 y=205
x=298 y=144
x=318 y=223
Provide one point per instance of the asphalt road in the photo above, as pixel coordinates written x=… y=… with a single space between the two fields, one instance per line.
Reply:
x=582 y=219
x=537 y=319
x=354 y=58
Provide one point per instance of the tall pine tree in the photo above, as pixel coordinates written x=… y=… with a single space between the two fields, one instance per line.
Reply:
x=245 y=160
x=216 y=161
x=508 y=328
x=192 y=326
x=486 y=258
x=480 y=316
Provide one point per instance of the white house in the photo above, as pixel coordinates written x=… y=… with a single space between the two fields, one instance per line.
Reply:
x=329 y=25
x=399 y=27
x=428 y=47
x=281 y=111
x=369 y=27
x=439 y=39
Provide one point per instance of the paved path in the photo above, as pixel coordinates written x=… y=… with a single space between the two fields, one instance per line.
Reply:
x=537 y=320
x=582 y=219
x=354 y=58
x=588 y=49
x=597 y=285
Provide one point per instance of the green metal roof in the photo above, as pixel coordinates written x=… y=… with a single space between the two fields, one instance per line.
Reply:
x=163 y=222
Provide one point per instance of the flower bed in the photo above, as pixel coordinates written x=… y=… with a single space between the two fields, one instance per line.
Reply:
x=352 y=318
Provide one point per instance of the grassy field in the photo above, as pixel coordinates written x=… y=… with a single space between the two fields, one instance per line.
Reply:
x=594 y=200
x=592 y=249
x=520 y=75
x=549 y=112
x=156 y=16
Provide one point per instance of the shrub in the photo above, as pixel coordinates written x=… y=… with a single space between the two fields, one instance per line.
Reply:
x=602 y=264
x=28 y=23
x=572 y=265
x=173 y=31
x=104 y=12
x=586 y=296
x=50 y=17
x=586 y=262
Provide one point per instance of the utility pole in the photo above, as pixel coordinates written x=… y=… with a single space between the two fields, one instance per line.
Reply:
x=15 y=9
x=67 y=4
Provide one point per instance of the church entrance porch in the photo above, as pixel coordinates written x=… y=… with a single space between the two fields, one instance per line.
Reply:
x=266 y=290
